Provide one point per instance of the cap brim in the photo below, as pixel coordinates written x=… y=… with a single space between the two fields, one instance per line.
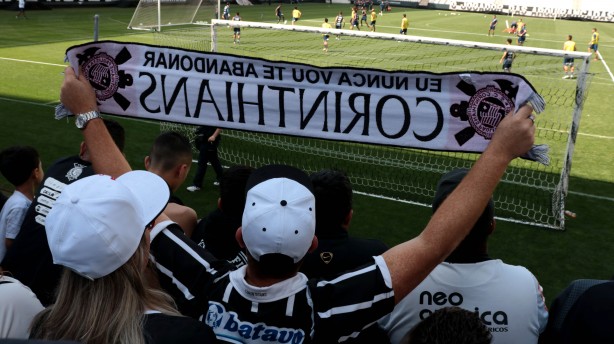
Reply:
x=150 y=189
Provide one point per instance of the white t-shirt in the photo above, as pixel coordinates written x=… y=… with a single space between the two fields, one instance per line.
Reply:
x=508 y=299
x=11 y=217
x=18 y=306
x=22 y=3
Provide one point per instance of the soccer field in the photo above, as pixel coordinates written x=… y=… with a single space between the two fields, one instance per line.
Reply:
x=31 y=59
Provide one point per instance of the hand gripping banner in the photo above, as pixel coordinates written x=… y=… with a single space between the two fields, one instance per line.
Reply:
x=445 y=112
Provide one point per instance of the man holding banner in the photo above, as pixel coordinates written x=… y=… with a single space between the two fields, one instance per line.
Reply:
x=275 y=303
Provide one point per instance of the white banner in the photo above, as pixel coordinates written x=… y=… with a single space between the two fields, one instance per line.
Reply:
x=451 y=112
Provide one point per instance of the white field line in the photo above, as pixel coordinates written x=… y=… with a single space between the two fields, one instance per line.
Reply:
x=34 y=62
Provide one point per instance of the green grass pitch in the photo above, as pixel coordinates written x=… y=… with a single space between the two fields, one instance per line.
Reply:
x=31 y=60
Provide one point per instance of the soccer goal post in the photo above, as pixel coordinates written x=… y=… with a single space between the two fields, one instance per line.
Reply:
x=530 y=193
x=156 y=14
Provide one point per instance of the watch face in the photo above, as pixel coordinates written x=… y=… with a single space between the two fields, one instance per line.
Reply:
x=80 y=121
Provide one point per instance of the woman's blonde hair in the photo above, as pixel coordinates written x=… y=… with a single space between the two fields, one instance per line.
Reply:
x=107 y=310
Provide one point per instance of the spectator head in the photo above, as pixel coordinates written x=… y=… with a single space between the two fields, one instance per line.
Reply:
x=117 y=134
x=509 y=41
x=278 y=225
x=97 y=231
x=19 y=164
x=232 y=190
x=97 y=223
x=170 y=157
x=450 y=325
x=478 y=236
x=333 y=192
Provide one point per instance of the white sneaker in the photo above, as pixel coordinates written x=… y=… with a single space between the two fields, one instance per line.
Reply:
x=216 y=183
x=285 y=22
x=193 y=188
x=566 y=77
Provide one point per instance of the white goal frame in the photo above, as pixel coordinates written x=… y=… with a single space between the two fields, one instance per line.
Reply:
x=583 y=58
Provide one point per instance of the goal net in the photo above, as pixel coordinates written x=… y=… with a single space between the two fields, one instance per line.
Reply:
x=530 y=193
x=155 y=14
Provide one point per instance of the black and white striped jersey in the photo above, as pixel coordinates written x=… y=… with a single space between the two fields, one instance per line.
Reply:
x=296 y=310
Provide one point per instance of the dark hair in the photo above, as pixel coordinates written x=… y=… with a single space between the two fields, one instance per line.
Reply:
x=275 y=265
x=482 y=228
x=232 y=189
x=449 y=325
x=509 y=40
x=18 y=162
x=117 y=133
x=169 y=150
x=569 y=37
x=333 y=192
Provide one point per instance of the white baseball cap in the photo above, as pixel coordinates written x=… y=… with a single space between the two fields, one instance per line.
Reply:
x=97 y=223
x=279 y=215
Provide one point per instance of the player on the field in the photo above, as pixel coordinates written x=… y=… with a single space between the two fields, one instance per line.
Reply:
x=382 y=6
x=404 y=25
x=514 y=27
x=326 y=36
x=339 y=23
x=296 y=15
x=493 y=24
x=522 y=34
x=237 y=29
x=508 y=58
x=363 y=17
x=373 y=20
x=520 y=25
x=279 y=14
x=22 y=10
x=568 y=62
x=354 y=20
x=226 y=12
x=593 y=45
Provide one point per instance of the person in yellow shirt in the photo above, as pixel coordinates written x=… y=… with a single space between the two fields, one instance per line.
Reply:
x=325 y=36
x=404 y=25
x=296 y=15
x=568 y=66
x=593 y=45
x=520 y=24
x=373 y=19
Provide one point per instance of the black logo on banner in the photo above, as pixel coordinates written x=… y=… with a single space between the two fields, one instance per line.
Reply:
x=103 y=73
x=484 y=110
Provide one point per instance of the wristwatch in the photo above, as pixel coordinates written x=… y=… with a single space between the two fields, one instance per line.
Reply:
x=82 y=119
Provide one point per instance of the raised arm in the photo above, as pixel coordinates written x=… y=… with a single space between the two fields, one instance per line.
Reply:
x=410 y=262
x=78 y=96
